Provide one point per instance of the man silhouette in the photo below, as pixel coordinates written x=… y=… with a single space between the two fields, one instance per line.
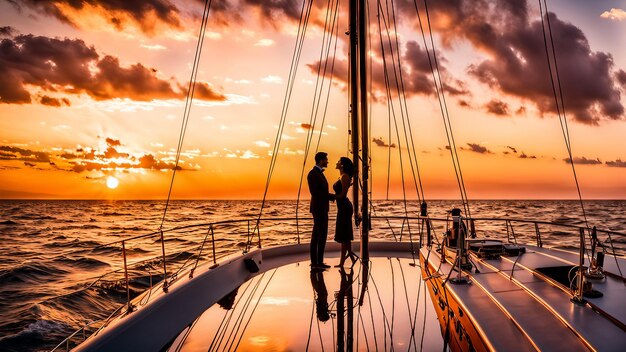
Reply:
x=320 y=198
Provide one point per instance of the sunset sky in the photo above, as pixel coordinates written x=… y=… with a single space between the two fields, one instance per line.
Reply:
x=95 y=89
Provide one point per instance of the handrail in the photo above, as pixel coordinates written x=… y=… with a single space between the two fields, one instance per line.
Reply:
x=428 y=221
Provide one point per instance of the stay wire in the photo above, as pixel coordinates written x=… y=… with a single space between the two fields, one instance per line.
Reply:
x=406 y=121
x=188 y=101
x=254 y=309
x=390 y=102
x=295 y=58
x=561 y=111
x=324 y=56
x=443 y=105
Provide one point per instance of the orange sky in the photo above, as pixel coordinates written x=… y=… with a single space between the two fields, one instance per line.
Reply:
x=94 y=91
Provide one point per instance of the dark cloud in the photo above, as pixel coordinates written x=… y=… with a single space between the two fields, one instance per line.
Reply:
x=50 y=101
x=381 y=143
x=477 y=148
x=145 y=14
x=621 y=78
x=29 y=164
x=16 y=153
x=512 y=149
x=616 y=163
x=584 y=161
x=63 y=65
x=517 y=64
x=520 y=111
x=306 y=126
x=7 y=31
x=113 y=142
x=416 y=74
x=497 y=107
x=524 y=156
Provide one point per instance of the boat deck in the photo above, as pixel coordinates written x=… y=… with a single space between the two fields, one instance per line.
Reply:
x=517 y=308
x=291 y=308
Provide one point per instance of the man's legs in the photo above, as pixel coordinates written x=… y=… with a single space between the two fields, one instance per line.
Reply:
x=318 y=238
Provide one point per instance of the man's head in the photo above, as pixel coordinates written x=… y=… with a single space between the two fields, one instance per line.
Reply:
x=321 y=159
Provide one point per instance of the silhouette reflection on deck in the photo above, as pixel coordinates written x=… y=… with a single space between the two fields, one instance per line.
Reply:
x=381 y=306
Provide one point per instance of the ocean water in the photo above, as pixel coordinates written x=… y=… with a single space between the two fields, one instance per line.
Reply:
x=61 y=268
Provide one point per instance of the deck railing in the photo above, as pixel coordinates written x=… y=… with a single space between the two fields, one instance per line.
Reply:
x=418 y=229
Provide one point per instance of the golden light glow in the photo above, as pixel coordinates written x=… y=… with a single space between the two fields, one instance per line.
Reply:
x=112 y=182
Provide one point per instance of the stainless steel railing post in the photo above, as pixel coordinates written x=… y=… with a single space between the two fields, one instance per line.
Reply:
x=213 y=243
x=164 y=264
x=538 y=234
x=130 y=307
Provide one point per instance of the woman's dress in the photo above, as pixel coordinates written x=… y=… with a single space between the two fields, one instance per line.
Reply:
x=343 y=227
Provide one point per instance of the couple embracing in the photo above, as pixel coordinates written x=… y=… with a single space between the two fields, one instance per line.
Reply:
x=320 y=199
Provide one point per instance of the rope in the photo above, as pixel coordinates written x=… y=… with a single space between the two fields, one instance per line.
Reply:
x=434 y=67
x=560 y=108
x=317 y=97
x=189 y=100
x=305 y=13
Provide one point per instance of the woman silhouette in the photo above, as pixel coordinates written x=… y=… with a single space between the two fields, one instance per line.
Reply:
x=343 y=229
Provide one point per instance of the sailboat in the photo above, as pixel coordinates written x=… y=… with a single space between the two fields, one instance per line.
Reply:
x=486 y=293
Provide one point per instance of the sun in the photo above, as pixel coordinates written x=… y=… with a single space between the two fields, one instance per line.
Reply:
x=112 y=182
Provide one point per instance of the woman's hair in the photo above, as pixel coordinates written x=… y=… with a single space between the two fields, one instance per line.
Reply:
x=347 y=165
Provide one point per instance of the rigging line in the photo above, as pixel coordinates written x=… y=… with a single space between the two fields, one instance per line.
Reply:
x=396 y=123
x=308 y=339
x=446 y=115
x=404 y=111
x=418 y=187
x=335 y=31
x=237 y=325
x=408 y=304
x=369 y=300
x=220 y=333
x=386 y=325
x=302 y=26
x=239 y=318
x=254 y=309
x=188 y=100
x=390 y=101
x=564 y=126
x=425 y=308
x=325 y=49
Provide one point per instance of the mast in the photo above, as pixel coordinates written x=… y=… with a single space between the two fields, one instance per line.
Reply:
x=358 y=115
x=365 y=225
x=354 y=101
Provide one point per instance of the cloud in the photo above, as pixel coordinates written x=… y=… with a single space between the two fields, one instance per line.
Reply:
x=516 y=64
x=262 y=144
x=381 y=143
x=524 y=156
x=614 y=14
x=272 y=79
x=72 y=67
x=264 y=42
x=477 y=148
x=22 y=154
x=616 y=163
x=7 y=31
x=50 y=101
x=416 y=76
x=497 y=107
x=584 y=161
x=153 y=47
x=621 y=78
x=113 y=142
x=512 y=149
x=145 y=14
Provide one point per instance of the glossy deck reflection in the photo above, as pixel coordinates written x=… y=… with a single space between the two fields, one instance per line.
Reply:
x=292 y=308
